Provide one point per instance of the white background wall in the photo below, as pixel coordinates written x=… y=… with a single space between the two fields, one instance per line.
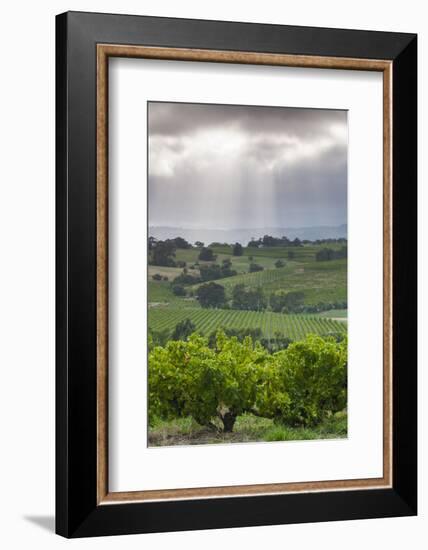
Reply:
x=27 y=89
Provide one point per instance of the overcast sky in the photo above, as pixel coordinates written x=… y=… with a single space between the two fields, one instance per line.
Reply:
x=223 y=166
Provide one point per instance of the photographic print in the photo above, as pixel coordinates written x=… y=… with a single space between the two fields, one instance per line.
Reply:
x=247 y=274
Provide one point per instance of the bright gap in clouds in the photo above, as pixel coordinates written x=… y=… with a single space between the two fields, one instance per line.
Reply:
x=220 y=166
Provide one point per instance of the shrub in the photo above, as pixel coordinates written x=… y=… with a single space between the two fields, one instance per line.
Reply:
x=326 y=254
x=287 y=302
x=186 y=279
x=211 y=272
x=255 y=267
x=279 y=263
x=206 y=254
x=157 y=277
x=179 y=290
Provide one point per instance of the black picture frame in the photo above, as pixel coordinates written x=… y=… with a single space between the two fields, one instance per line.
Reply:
x=77 y=511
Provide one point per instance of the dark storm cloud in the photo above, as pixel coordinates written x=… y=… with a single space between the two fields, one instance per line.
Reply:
x=234 y=166
x=178 y=119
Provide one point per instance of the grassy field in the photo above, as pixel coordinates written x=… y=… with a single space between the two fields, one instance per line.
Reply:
x=335 y=314
x=209 y=320
x=248 y=428
x=160 y=294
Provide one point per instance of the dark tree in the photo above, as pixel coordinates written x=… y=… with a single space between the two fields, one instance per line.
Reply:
x=179 y=290
x=151 y=243
x=248 y=298
x=199 y=244
x=157 y=277
x=290 y=302
x=279 y=263
x=163 y=254
x=326 y=254
x=158 y=338
x=210 y=272
x=211 y=295
x=238 y=249
x=186 y=279
x=183 y=330
x=207 y=255
x=269 y=241
x=181 y=243
x=255 y=267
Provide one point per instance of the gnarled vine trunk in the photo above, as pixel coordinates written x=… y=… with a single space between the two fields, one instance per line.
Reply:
x=228 y=420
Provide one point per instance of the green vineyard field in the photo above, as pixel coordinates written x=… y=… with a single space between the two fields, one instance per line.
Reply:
x=320 y=282
x=206 y=321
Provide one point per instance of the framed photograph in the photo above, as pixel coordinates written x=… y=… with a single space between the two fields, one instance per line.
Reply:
x=236 y=274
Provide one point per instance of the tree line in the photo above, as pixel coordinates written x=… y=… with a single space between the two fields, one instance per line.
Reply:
x=162 y=252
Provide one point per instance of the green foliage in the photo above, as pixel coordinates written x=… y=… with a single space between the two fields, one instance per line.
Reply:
x=248 y=298
x=306 y=382
x=268 y=241
x=179 y=290
x=211 y=272
x=211 y=295
x=276 y=343
x=287 y=302
x=158 y=338
x=179 y=242
x=183 y=330
x=279 y=263
x=239 y=333
x=238 y=249
x=206 y=254
x=157 y=277
x=186 y=278
x=328 y=254
x=300 y=386
x=255 y=267
x=163 y=253
x=192 y=379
